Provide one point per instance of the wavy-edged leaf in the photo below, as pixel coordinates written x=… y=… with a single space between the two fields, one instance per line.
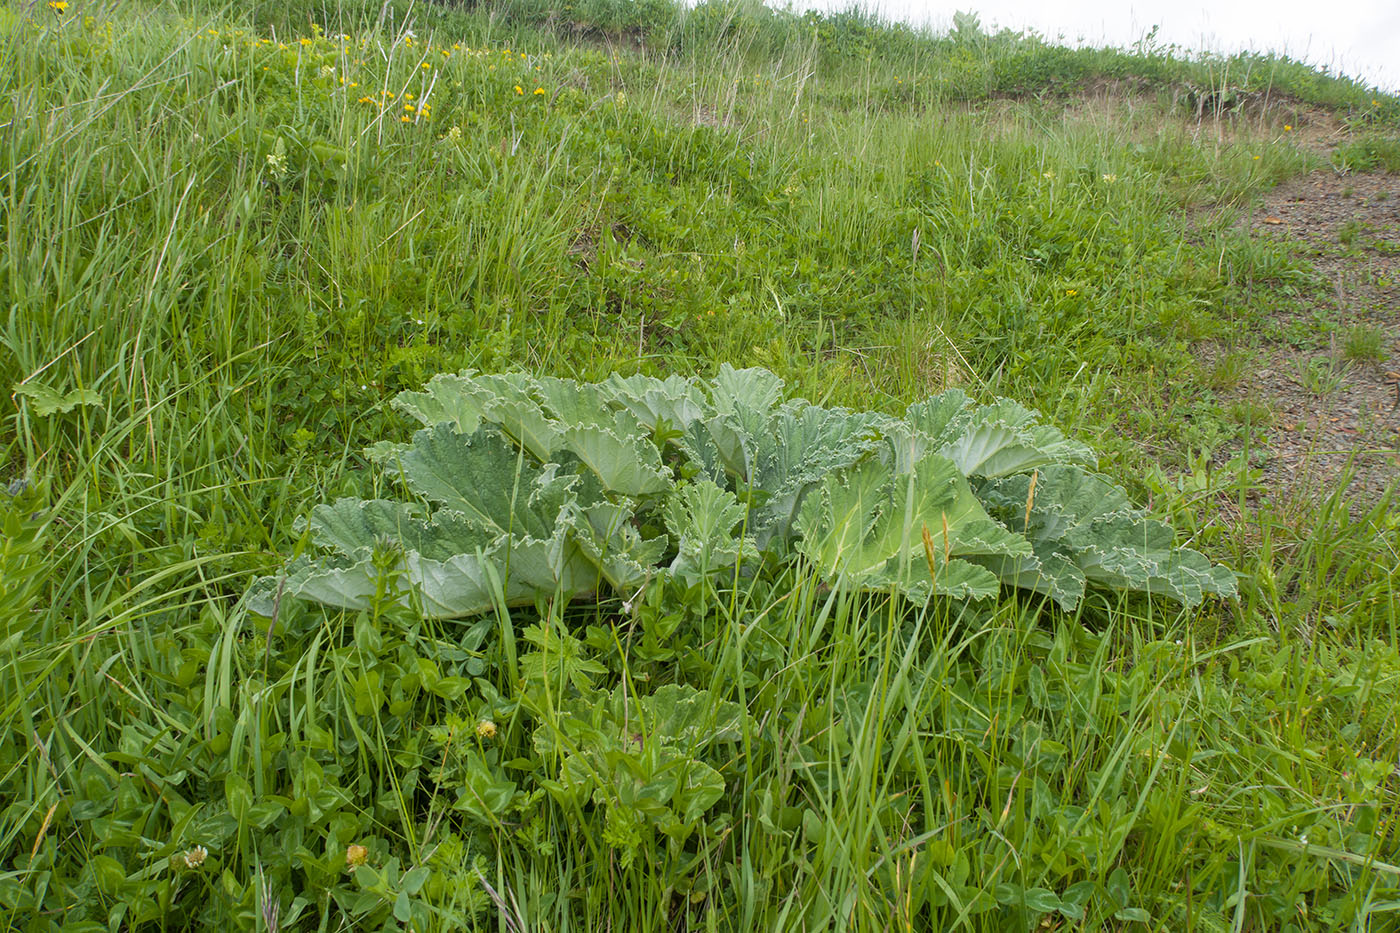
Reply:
x=353 y=525
x=867 y=525
x=625 y=463
x=674 y=401
x=511 y=401
x=486 y=479
x=1084 y=520
x=448 y=398
x=988 y=440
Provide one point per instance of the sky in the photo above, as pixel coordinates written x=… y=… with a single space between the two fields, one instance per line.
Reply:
x=1358 y=38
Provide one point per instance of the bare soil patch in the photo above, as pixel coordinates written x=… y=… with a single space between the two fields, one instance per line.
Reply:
x=1328 y=378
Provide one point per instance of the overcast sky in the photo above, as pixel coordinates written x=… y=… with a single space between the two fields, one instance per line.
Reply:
x=1359 y=38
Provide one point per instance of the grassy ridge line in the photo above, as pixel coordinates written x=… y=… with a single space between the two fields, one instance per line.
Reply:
x=240 y=308
x=963 y=63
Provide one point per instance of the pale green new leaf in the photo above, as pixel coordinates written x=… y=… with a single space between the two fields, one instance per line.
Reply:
x=705 y=520
x=511 y=401
x=673 y=401
x=626 y=463
x=448 y=398
x=866 y=526
x=989 y=440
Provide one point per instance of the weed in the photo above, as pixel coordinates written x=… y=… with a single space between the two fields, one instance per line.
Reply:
x=1364 y=343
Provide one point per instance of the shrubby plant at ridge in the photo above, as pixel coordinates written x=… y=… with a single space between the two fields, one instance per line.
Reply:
x=549 y=488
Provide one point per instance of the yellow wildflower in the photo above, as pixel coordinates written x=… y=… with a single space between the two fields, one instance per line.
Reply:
x=1287 y=128
x=304 y=41
x=1071 y=292
x=58 y=6
x=539 y=90
x=405 y=119
x=519 y=90
x=426 y=66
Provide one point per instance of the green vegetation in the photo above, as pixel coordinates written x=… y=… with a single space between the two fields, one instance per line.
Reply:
x=230 y=242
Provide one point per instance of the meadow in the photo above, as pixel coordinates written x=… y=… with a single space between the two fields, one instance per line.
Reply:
x=233 y=237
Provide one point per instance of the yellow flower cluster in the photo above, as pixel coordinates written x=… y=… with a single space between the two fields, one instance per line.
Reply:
x=333 y=59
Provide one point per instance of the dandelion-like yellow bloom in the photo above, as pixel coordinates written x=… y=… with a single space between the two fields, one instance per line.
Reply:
x=1288 y=128
x=539 y=90
x=58 y=5
x=304 y=41
x=356 y=855
x=408 y=107
x=405 y=119
x=519 y=89
x=1071 y=292
x=427 y=66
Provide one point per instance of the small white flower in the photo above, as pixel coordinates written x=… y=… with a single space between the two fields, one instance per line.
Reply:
x=195 y=857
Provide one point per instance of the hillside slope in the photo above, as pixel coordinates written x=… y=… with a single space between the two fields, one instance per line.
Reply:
x=232 y=238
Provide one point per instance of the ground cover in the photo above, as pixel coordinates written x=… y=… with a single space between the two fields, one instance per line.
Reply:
x=232 y=240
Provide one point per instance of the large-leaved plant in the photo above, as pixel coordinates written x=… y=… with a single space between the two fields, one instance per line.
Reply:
x=519 y=489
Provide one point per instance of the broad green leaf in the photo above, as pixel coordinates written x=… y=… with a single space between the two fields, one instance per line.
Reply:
x=485 y=479
x=47 y=401
x=448 y=398
x=1082 y=525
x=674 y=401
x=627 y=464
x=867 y=526
x=354 y=525
x=704 y=520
